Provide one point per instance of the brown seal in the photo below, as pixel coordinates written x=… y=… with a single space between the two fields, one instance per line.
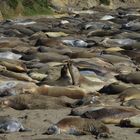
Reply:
x=132 y=103
x=56 y=91
x=129 y=93
x=79 y=126
x=29 y=101
x=133 y=77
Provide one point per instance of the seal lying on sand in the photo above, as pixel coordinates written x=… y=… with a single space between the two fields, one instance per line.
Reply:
x=111 y=115
x=79 y=126
x=56 y=91
x=18 y=76
x=29 y=101
x=132 y=103
x=9 y=124
x=13 y=65
x=133 y=77
x=131 y=121
x=129 y=93
x=113 y=88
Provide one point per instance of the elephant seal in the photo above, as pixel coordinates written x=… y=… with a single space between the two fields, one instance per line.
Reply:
x=9 y=125
x=83 y=81
x=57 y=91
x=129 y=93
x=79 y=126
x=132 y=103
x=133 y=77
x=18 y=76
x=131 y=122
x=23 y=101
x=113 y=88
x=13 y=65
x=12 y=87
x=111 y=115
x=86 y=101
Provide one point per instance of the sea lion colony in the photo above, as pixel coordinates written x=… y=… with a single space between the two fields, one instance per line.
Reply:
x=86 y=64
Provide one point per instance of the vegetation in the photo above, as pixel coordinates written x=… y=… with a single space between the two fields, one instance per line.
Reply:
x=105 y=2
x=10 y=8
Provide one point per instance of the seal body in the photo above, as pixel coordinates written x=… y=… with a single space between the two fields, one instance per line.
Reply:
x=111 y=115
x=79 y=126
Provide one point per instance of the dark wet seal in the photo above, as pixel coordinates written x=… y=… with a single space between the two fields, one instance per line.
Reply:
x=111 y=115
x=133 y=77
x=113 y=88
x=138 y=131
x=79 y=126
x=9 y=125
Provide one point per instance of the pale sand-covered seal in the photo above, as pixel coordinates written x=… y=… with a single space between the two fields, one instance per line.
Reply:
x=79 y=126
x=9 y=124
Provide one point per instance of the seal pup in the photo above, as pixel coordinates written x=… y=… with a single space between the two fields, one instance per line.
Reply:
x=111 y=115
x=23 y=101
x=131 y=122
x=129 y=93
x=133 y=77
x=9 y=125
x=79 y=126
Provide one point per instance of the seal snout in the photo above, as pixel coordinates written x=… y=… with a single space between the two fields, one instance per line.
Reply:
x=53 y=130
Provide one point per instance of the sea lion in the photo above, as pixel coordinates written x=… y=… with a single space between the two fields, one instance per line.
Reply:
x=9 y=125
x=131 y=122
x=79 y=126
x=129 y=93
x=111 y=115
x=132 y=103
x=133 y=77
x=23 y=101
